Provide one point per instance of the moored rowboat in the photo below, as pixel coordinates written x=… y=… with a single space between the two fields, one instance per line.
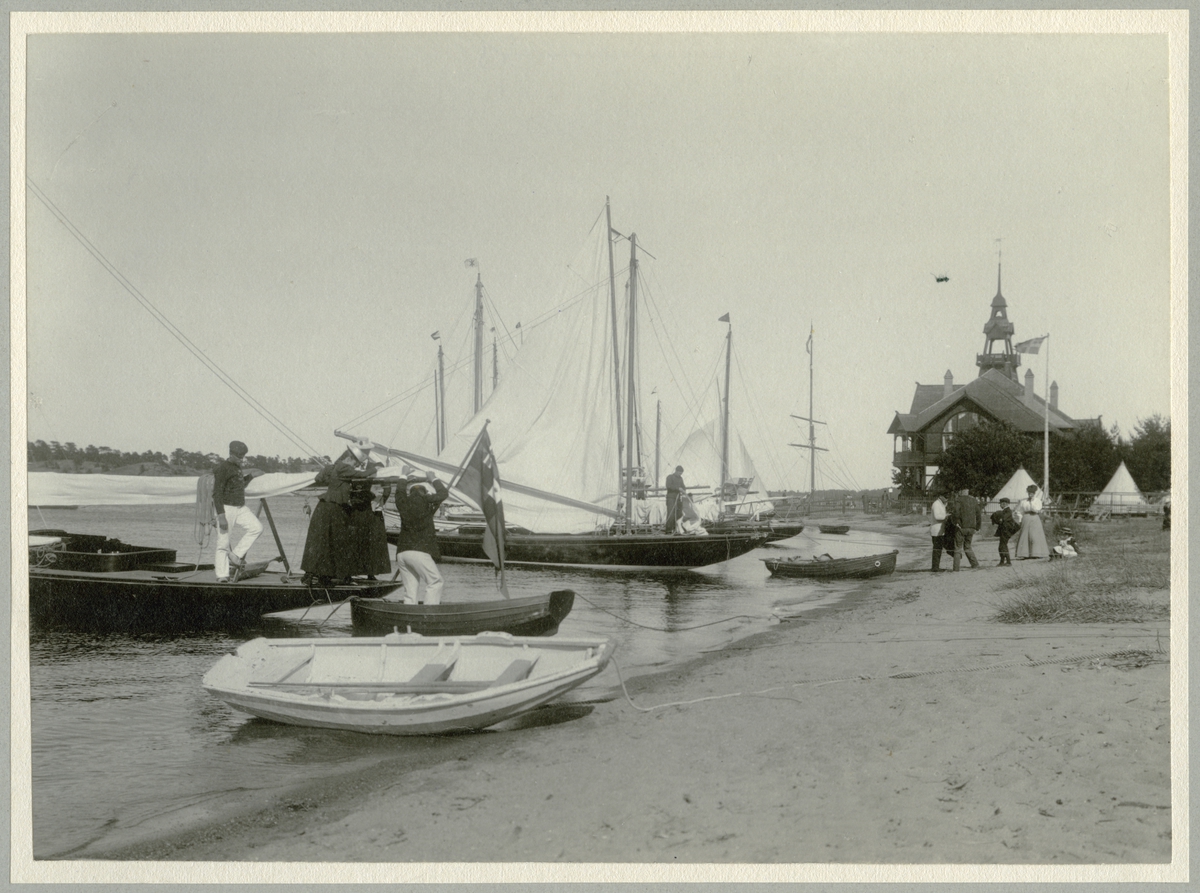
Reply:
x=534 y=615
x=403 y=683
x=833 y=568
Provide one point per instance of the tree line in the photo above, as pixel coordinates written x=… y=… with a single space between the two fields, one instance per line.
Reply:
x=55 y=456
x=985 y=456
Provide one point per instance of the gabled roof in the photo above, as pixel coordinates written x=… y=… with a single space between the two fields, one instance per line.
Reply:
x=993 y=394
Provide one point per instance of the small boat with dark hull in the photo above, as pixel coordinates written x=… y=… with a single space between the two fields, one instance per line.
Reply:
x=834 y=528
x=826 y=568
x=535 y=615
x=615 y=551
x=96 y=583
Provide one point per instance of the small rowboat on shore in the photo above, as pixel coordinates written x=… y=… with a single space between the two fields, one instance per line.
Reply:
x=834 y=528
x=403 y=683
x=826 y=568
x=533 y=615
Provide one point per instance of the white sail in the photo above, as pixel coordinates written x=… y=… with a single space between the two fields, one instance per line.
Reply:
x=553 y=415
x=48 y=488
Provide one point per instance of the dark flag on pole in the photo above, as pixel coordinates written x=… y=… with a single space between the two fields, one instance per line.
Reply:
x=724 y=318
x=480 y=479
x=808 y=344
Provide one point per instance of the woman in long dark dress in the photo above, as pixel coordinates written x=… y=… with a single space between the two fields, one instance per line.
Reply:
x=332 y=549
x=368 y=532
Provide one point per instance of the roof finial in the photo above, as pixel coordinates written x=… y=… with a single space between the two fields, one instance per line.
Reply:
x=999 y=264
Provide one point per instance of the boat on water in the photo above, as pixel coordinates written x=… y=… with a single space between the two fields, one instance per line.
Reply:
x=608 y=551
x=403 y=683
x=565 y=425
x=826 y=568
x=96 y=583
x=534 y=615
x=834 y=528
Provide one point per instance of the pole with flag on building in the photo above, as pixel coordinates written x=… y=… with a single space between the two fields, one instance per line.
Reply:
x=1034 y=345
x=480 y=476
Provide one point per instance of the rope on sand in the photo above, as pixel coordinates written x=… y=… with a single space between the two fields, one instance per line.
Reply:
x=912 y=674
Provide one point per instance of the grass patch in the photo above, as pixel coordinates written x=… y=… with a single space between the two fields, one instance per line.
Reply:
x=1122 y=575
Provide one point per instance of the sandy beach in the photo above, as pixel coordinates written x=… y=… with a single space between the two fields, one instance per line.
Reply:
x=904 y=726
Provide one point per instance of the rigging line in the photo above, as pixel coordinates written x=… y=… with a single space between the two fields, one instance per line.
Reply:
x=166 y=323
x=757 y=415
x=692 y=400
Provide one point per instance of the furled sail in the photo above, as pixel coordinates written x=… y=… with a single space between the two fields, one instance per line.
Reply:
x=48 y=488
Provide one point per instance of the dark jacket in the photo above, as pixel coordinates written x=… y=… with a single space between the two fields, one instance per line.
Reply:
x=416 y=508
x=341 y=477
x=675 y=483
x=229 y=486
x=967 y=513
x=1006 y=525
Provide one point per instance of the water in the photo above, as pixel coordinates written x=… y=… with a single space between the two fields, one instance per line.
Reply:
x=126 y=746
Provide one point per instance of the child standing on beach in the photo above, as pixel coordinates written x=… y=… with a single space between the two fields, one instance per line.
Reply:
x=1006 y=527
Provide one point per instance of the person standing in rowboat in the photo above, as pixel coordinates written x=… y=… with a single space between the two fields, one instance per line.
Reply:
x=417 y=551
x=229 y=500
x=675 y=491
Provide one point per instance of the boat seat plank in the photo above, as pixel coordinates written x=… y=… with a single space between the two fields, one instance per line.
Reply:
x=518 y=670
x=439 y=667
x=401 y=688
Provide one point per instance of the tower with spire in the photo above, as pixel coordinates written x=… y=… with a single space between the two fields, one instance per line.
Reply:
x=998 y=350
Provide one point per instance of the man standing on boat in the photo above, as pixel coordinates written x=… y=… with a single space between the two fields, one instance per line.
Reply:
x=229 y=499
x=675 y=491
x=417 y=550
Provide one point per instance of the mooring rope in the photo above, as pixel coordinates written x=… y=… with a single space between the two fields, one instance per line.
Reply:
x=911 y=674
x=677 y=629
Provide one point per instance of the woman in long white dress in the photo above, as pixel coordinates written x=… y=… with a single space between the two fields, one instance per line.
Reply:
x=1031 y=543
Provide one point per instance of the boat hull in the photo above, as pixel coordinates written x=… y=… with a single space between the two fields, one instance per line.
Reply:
x=834 y=569
x=834 y=528
x=637 y=551
x=535 y=615
x=365 y=701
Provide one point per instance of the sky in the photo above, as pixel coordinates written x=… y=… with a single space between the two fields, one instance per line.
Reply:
x=301 y=208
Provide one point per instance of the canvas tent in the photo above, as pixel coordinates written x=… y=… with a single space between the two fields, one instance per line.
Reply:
x=1121 y=496
x=1016 y=489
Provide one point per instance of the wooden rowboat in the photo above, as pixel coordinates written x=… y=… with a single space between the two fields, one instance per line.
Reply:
x=834 y=528
x=833 y=568
x=534 y=615
x=403 y=683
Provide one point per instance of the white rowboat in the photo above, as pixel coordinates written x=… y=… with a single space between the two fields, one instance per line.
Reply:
x=403 y=683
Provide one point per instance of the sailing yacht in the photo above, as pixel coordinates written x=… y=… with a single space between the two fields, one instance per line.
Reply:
x=563 y=423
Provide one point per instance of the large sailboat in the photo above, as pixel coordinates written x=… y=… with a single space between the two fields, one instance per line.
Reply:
x=564 y=425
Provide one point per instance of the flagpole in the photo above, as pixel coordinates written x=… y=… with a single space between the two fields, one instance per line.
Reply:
x=1046 y=431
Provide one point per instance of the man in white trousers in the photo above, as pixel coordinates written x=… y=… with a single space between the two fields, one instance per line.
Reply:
x=229 y=499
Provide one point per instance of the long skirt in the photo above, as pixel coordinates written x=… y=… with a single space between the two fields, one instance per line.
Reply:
x=369 y=538
x=1031 y=543
x=329 y=549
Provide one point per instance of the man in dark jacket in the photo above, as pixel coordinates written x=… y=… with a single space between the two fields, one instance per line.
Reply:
x=417 y=550
x=968 y=516
x=229 y=501
x=675 y=492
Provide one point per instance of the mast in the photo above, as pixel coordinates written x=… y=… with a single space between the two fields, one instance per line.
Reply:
x=495 y=361
x=439 y=397
x=612 y=295
x=725 y=416
x=631 y=350
x=657 y=438
x=811 y=446
x=478 y=402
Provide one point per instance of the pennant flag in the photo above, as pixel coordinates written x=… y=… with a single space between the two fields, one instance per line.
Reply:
x=470 y=262
x=808 y=344
x=1033 y=345
x=436 y=335
x=724 y=318
x=481 y=476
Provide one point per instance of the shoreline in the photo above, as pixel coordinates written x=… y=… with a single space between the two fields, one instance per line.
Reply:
x=947 y=745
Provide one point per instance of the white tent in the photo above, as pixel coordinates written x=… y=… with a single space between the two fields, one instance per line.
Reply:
x=1121 y=496
x=1016 y=489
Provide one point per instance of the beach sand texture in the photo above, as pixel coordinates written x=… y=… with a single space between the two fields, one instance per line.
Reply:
x=904 y=726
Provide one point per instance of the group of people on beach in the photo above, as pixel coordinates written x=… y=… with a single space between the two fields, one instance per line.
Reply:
x=958 y=518
x=347 y=536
